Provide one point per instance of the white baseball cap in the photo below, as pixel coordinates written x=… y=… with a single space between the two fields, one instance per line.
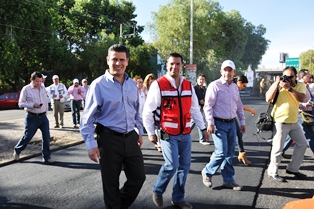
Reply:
x=44 y=76
x=75 y=80
x=84 y=80
x=54 y=77
x=228 y=63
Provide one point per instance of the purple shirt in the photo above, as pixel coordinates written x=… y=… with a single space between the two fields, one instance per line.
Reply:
x=223 y=101
x=73 y=91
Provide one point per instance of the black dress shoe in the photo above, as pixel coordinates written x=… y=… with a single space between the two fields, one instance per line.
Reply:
x=278 y=178
x=297 y=174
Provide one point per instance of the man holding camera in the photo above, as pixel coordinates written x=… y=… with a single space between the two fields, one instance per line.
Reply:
x=285 y=115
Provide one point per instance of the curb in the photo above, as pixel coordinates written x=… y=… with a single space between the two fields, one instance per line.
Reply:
x=11 y=161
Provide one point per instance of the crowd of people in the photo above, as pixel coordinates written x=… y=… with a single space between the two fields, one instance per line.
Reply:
x=120 y=110
x=33 y=99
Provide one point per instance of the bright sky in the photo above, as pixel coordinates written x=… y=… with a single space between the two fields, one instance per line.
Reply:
x=289 y=23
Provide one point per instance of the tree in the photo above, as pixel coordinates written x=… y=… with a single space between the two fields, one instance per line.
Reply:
x=307 y=60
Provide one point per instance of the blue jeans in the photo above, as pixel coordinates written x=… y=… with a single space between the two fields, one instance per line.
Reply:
x=177 y=154
x=76 y=108
x=309 y=135
x=32 y=123
x=200 y=133
x=239 y=138
x=224 y=140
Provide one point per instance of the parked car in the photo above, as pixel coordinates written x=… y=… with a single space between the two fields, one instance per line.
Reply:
x=67 y=104
x=9 y=100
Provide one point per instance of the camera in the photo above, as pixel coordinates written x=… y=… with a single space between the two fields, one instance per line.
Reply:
x=285 y=78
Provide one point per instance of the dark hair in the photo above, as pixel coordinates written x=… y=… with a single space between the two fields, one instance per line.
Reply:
x=201 y=75
x=242 y=78
x=303 y=72
x=291 y=68
x=118 y=48
x=35 y=75
x=175 y=55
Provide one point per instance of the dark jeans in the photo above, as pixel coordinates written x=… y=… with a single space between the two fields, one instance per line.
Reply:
x=75 y=108
x=32 y=123
x=117 y=152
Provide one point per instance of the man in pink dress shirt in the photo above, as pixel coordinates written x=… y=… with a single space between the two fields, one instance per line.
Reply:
x=77 y=93
x=222 y=106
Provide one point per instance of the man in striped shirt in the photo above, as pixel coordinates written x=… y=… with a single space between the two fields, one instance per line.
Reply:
x=34 y=99
x=222 y=106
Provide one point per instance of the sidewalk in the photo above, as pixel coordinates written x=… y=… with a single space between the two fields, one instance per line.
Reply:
x=11 y=131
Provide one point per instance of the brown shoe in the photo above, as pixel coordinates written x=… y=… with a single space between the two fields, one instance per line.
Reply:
x=157 y=199
x=242 y=157
x=183 y=205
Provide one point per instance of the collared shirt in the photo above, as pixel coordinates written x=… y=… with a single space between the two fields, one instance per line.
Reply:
x=31 y=95
x=222 y=100
x=113 y=105
x=308 y=97
x=286 y=107
x=200 y=92
x=85 y=91
x=142 y=98
x=58 y=89
x=73 y=91
x=153 y=101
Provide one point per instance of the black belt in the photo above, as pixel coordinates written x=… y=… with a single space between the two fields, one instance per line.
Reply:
x=57 y=99
x=225 y=120
x=108 y=130
x=37 y=114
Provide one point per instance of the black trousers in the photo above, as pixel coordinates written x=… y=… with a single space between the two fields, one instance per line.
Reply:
x=117 y=152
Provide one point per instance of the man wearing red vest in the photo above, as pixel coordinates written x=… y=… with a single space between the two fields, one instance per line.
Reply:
x=173 y=97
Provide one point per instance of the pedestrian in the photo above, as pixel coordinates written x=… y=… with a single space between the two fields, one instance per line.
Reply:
x=57 y=93
x=261 y=87
x=86 y=87
x=148 y=81
x=200 y=90
x=222 y=106
x=44 y=79
x=242 y=82
x=140 y=88
x=285 y=116
x=177 y=101
x=76 y=93
x=307 y=107
x=112 y=103
x=33 y=98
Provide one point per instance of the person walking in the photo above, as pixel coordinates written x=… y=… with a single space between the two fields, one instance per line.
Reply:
x=200 y=90
x=285 y=116
x=86 y=87
x=222 y=106
x=33 y=98
x=242 y=82
x=113 y=104
x=77 y=94
x=174 y=96
x=57 y=93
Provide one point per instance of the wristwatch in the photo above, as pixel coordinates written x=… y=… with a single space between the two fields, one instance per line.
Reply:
x=290 y=89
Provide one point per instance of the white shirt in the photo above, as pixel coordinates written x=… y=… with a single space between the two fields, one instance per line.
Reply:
x=312 y=88
x=142 y=98
x=153 y=101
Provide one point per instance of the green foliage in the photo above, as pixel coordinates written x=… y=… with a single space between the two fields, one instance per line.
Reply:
x=307 y=60
x=217 y=35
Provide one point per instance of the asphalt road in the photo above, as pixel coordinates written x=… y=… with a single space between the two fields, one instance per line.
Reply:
x=74 y=181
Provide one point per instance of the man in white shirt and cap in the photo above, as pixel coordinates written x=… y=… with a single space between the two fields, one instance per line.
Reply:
x=57 y=93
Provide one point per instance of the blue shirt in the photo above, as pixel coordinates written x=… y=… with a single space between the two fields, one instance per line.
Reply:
x=111 y=104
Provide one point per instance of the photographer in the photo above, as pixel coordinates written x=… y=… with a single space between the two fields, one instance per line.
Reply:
x=285 y=115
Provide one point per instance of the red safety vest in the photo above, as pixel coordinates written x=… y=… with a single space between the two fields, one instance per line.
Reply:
x=175 y=107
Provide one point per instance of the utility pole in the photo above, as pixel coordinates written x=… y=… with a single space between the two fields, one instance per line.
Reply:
x=191 y=33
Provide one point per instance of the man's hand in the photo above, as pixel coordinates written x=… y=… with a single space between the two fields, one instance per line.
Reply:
x=140 y=141
x=205 y=135
x=243 y=129
x=153 y=138
x=94 y=154
x=211 y=129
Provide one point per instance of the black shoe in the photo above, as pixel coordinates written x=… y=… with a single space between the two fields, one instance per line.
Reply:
x=297 y=174
x=285 y=156
x=278 y=178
